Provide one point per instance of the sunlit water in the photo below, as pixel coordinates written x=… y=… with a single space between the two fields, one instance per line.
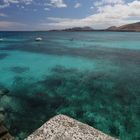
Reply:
x=91 y=76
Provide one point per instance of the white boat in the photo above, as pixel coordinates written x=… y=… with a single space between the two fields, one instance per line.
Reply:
x=38 y=39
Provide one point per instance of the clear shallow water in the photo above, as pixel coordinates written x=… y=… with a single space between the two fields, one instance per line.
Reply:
x=94 y=78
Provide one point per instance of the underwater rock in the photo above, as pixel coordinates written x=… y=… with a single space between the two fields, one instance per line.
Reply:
x=4 y=91
x=2 y=118
x=5 y=101
x=9 y=103
x=2 y=110
x=22 y=136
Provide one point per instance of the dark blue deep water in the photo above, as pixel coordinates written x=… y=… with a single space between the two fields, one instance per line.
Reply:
x=91 y=76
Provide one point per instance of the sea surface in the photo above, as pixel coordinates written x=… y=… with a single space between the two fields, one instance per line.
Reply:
x=93 y=77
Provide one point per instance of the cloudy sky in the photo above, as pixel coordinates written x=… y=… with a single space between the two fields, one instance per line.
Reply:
x=58 y=14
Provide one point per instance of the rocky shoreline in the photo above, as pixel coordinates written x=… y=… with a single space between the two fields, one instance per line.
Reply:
x=4 y=133
x=3 y=93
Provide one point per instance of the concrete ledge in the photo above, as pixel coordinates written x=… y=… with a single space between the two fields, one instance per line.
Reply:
x=62 y=127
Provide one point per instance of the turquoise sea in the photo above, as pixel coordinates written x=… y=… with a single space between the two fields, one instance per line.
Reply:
x=93 y=77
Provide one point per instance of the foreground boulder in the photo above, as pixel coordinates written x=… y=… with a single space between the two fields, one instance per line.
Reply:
x=62 y=127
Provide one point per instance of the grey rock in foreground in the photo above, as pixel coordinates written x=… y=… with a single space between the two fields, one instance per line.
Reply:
x=62 y=127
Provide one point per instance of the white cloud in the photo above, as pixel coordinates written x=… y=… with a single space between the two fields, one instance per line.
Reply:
x=22 y=7
x=3 y=15
x=7 y=3
x=8 y=25
x=107 y=15
x=104 y=2
x=4 y=4
x=47 y=9
x=27 y=2
x=57 y=3
x=91 y=7
x=77 y=5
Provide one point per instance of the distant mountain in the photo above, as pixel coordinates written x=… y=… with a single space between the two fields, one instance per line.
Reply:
x=112 y=28
x=134 y=27
x=86 y=28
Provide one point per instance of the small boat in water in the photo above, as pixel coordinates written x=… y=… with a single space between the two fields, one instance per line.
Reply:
x=38 y=39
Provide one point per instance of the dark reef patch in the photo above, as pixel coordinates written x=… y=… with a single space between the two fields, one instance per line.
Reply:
x=61 y=70
x=18 y=69
x=3 y=55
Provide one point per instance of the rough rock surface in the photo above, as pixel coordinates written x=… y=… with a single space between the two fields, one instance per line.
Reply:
x=62 y=127
x=4 y=134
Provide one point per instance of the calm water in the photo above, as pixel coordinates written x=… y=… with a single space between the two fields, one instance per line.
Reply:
x=95 y=78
